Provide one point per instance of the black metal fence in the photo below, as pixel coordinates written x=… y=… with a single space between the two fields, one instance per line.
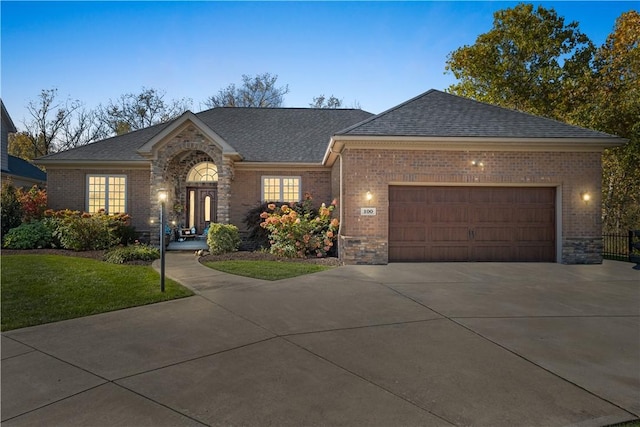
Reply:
x=621 y=246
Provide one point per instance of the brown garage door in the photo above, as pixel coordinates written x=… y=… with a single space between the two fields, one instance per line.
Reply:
x=471 y=224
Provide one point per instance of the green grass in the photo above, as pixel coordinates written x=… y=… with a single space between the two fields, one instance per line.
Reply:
x=39 y=289
x=266 y=270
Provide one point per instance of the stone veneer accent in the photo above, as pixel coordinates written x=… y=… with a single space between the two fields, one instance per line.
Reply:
x=171 y=166
x=582 y=250
x=367 y=250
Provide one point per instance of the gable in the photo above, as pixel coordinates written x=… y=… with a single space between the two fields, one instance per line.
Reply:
x=150 y=149
x=277 y=135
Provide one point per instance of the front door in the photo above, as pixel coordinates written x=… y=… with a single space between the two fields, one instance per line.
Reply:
x=201 y=207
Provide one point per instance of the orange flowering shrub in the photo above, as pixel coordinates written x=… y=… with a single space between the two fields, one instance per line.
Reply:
x=299 y=233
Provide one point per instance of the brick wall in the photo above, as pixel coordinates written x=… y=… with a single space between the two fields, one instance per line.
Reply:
x=67 y=189
x=246 y=189
x=374 y=170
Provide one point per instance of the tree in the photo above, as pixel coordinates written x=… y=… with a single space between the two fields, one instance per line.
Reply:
x=137 y=111
x=259 y=91
x=322 y=102
x=21 y=145
x=531 y=61
x=613 y=106
x=10 y=208
x=48 y=119
x=523 y=62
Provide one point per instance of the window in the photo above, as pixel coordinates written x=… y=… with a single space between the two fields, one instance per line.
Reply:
x=203 y=172
x=281 y=188
x=108 y=192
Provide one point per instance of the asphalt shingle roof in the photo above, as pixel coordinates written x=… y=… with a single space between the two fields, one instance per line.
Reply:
x=23 y=168
x=439 y=114
x=257 y=134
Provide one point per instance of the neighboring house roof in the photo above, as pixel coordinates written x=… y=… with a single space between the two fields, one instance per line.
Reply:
x=6 y=119
x=439 y=114
x=24 y=169
x=258 y=134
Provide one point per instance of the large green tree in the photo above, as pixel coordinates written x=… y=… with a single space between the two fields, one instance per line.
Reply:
x=613 y=106
x=523 y=62
x=531 y=61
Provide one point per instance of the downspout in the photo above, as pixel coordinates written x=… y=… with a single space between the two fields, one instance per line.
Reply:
x=340 y=196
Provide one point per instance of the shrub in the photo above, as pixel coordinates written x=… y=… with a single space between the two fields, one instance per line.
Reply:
x=33 y=202
x=33 y=235
x=296 y=235
x=223 y=238
x=83 y=231
x=253 y=220
x=123 y=254
x=10 y=208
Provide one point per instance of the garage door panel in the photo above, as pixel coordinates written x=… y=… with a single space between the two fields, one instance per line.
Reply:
x=407 y=234
x=448 y=234
x=492 y=253
x=498 y=214
x=493 y=234
x=472 y=224
x=408 y=253
x=407 y=214
x=448 y=253
x=447 y=214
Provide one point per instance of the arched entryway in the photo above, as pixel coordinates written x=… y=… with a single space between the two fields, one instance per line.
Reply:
x=201 y=196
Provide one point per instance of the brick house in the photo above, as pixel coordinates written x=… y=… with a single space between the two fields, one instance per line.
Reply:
x=437 y=178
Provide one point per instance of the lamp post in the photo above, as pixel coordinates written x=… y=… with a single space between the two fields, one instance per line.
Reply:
x=162 y=197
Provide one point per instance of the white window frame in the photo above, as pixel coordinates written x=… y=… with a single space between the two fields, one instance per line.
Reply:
x=281 y=179
x=106 y=199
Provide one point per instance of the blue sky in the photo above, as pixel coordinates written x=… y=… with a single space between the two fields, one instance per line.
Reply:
x=375 y=53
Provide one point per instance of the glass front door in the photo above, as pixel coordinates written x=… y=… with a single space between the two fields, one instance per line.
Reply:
x=201 y=207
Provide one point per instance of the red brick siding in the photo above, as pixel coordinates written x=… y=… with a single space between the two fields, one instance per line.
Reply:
x=246 y=189
x=374 y=170
x=67 y=189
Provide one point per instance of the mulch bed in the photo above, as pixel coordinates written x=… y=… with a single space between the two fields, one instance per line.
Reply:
x=241 y=255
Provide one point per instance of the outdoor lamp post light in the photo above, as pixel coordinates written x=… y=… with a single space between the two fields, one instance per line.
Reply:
x=162 y=197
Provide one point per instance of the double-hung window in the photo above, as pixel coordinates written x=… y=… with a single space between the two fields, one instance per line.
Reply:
x=108 y=192
x=281 y=189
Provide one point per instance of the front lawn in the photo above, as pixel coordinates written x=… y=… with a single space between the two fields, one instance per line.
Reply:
x=266 y=270
x=39 y=289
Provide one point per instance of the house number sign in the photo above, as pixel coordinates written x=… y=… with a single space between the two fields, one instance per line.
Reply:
x=368 y=211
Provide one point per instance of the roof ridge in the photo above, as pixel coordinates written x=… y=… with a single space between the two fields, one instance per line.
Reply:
x=376 y=116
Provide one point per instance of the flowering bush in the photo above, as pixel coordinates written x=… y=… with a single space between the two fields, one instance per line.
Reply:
x=298 y=235
x=33 y=202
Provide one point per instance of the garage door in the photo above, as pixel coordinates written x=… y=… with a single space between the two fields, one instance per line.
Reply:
x=471 y=224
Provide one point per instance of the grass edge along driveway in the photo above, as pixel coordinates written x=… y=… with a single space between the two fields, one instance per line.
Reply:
x=265 y=270
x=38 y=289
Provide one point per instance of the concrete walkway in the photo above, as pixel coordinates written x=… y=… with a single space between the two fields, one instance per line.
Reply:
x=397 y=345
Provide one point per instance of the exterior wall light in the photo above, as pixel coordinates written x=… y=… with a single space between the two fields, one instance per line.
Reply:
x=586 y=197
x=476 y=163
x=368 y=196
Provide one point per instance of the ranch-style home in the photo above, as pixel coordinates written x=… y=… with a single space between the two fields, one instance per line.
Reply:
x=436 y=178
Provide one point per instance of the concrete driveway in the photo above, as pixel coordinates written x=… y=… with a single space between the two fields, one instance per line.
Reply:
x=397 y=345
